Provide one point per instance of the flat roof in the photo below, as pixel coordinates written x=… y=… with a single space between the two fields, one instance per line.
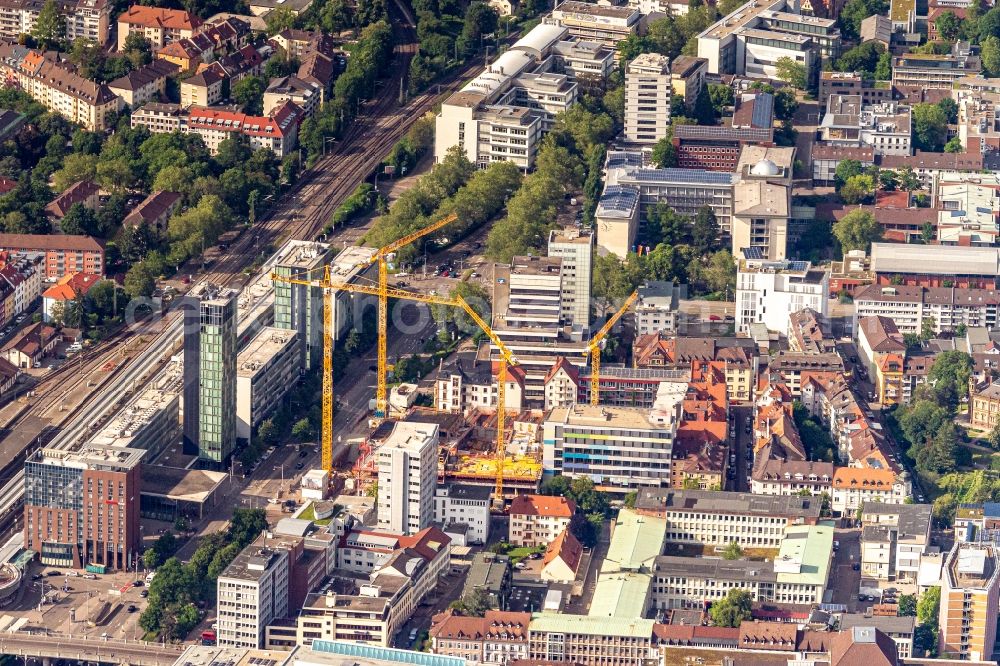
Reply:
x=635 y=541
x=591 y=625
x=91 y=456
x=189 y=485
x=593 y=9
x=350 y=653
x=943 y=259
x=715 y=568
x=606 y=416
x=268 y=343
x=807 y=548
x=302 y=255
x=410 y=436
x=623 y=594
x=711 y=501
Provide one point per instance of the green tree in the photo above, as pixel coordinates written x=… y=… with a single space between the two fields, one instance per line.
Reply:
x=883 y=70
x=990 y=55
x=302 y=430
x=248 y=92
x=930 y=127
x=664 y=153
x=79 y=220
x=472 y=604
x=691 y=483
x=610 y=283
x=947 y=25
x=863 y=58
x=267 y=432
x=954 y=145
x=732 y=610
x=278 y=19
x=50 y=26
x=888 y=180
x=857 y=231
x=140 y=281
x=928 y=606
x=951 y=371
x=704 y=110
x=722 y=97
x=994 y=437
x=846 y=169
x=858 y=189
x=704 y=230
x=907 y=605
x=732 y=551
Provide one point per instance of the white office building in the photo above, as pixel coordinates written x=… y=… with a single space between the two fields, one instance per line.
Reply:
x=648 y=90
x=407 y=476
x=768 y=292
x=252 y=591
x=576 y=249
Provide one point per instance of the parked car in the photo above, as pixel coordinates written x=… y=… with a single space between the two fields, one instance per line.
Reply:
x=144 y=594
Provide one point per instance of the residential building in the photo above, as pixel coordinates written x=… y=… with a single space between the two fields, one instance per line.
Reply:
x=160 y=118
x=924 y=71
x=623 y=386
x=407 y=476
x=154 y=211
x=83 y=192
x=81 y=507
x=499 y=637
x=852 y=83
x=768 y=292
x=68 y=289
x=251 y=592
x=938 y=266
x=626 y=435
x=462 y=504
x=716 y=148
x=63 y=254
x=266 y=369
x=210 y=373
x=943 y=309
x=300 y=307
x=798 y=575
x=204 y=88
x=606 y=25
x=687 y=77
x=876 y=337
x=490 y=575
x=291 y=89
x=30 y=345
x=561 y=562
x=984 y=408
x=771 y=476
x=537 y=520
x=853 y=487
x=278 y=132
x=970 y=597
x=762 y=202
x=893 y=539
x=146 y=84
x=737 y=357
x=575 y=247
x=648 y=90
x=562 y=384
x=160 y=26
x=87 y=19
x=464 y=384
x=717 y=518
x=899 y=629
x=55 y=85
x=657 y=307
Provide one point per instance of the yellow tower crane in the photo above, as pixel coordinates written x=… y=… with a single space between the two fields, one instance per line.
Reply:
x=329 y=286
x=594 y=348
x=381 y=256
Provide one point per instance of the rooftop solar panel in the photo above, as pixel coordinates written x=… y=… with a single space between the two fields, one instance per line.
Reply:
x=763 y=110
x=698 y=176
x=722 y=133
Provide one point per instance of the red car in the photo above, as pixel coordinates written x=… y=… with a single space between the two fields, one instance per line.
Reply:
x=714 y=318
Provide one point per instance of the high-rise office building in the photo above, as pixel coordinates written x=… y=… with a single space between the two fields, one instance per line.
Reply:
x=576 y=249
x=648 y=90
x=296 y=306
x=82 y=507
x=210 y=373
x=407 y=477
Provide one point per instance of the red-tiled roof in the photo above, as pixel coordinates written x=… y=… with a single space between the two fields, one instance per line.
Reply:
x=565 y=547
x=158 y=17
x=43 y=242
x=550 y=506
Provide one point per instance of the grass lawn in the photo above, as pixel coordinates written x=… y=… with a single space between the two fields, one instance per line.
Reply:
x=309 y=513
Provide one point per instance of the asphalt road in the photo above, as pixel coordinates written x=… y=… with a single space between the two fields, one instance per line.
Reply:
x=742 y=446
